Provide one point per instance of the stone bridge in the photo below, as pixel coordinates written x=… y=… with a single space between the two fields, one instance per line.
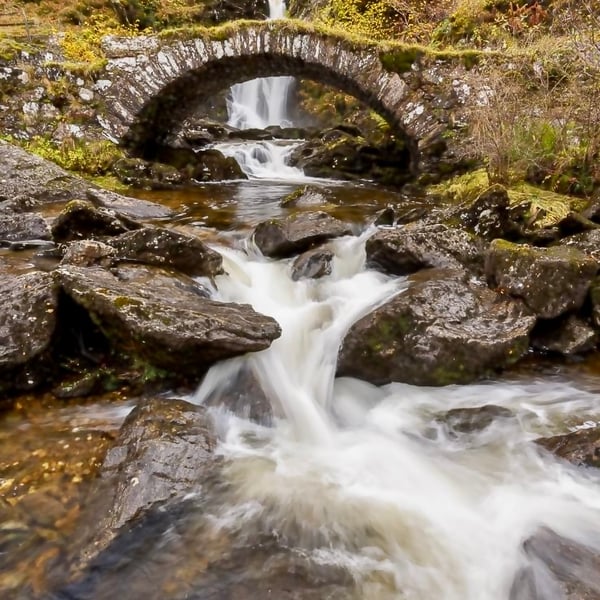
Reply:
x=158 y=81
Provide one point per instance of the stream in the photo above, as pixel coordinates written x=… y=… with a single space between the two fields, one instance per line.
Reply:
x=350 y=491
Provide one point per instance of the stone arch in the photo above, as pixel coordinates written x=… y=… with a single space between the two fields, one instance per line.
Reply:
x=156 y=82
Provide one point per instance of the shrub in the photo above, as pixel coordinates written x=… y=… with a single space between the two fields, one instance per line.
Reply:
x=88 y=158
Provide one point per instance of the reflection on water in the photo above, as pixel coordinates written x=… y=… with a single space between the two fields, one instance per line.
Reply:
x=241 y=205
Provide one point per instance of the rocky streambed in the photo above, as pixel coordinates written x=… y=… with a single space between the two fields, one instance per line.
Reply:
x=104 y=292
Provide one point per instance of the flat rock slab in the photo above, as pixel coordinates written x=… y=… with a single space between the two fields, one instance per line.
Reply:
x=22 y=227
x=417 y=246
x=551 y=281
x=441 y=330
x=134 y=208
x=279 y=238
x=170 y=327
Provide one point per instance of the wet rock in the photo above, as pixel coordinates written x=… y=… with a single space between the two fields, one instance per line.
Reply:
x=551 y=281
x=489 y=216
x=279 y=238
x=405 y=250
x=567 y=336
x=27 y=177
x=472 y=420
x=441 y=330
x=581 y=447
x=385 y=217
x=170 y=327
x=167 y=248
x=244 y=396
x=305 y=197
x=587 y=242
x=160 y=551
x=290 y=133
x=143 y=174
x=342 y=153
x=85 y=253
x=212 y=165
x=22 y=227
x=27 y=325
x=82 y=220
x=134 y=208
x=594 y=297
x=164 y=449
x=312 y=264
x=251 y=133
x=558 y=568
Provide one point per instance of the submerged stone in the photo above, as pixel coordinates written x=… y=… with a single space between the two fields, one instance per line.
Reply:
x=441 y=330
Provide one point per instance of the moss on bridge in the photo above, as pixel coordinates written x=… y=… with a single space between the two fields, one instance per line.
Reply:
x=394 y=55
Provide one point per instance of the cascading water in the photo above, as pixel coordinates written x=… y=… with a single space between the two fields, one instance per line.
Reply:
x=264 y=101
x=366 y=479
x=257 y=104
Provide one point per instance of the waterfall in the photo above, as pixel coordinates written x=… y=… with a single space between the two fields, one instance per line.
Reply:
x=257 y=104
x=364 y=478
x=261 y=102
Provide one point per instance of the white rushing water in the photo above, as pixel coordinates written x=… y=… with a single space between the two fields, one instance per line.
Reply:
x=257 y=104
x=365 y=477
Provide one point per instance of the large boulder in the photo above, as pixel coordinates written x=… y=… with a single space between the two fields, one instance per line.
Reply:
x=422 y=245
x=27 y=325
x=279 y=238
x=80 y=220
x=551 y=281
x=167 y=248
x=168 y=325
x=441 y=330
x=164 y=450
x=27 y=177
x=342 y=153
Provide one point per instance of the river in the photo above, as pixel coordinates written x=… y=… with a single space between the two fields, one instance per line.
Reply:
x=372 y=482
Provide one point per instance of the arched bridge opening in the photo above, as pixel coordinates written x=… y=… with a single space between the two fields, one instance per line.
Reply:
x=157 y=83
